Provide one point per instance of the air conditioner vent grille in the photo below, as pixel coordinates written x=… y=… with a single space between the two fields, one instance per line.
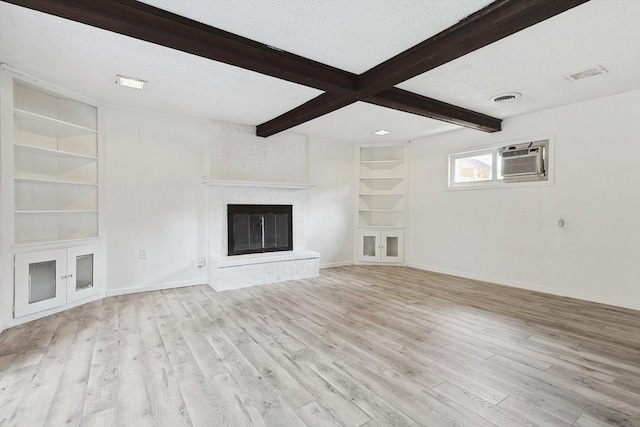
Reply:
x=520 y=166
x=522 y=162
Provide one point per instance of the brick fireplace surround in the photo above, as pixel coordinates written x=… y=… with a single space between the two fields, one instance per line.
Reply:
x=246 y=169
x=239 y=271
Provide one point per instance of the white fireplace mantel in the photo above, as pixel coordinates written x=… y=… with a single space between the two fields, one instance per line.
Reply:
x=256 y=184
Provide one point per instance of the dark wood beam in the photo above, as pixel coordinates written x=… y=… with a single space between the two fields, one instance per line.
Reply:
x=498 y=20
x=319 y=106
x=410 y=102
x=495 y=22
x=144 y=22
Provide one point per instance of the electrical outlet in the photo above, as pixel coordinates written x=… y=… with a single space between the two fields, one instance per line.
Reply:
x=562 y=220
x=143 y=254
x=202 y=262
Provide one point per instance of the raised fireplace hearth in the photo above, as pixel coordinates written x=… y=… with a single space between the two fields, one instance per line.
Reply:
x=281 y=257
x=254 y=229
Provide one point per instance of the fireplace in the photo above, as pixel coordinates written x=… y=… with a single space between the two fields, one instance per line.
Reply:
x=259 y=228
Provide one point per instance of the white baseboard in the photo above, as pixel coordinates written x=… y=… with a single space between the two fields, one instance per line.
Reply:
x=154 y=287
x=35 y=316
x=634 y=305
x=336 y=264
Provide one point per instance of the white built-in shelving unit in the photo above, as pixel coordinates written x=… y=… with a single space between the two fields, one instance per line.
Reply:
x=50 y=175
x=55 y=166
x=382 y=200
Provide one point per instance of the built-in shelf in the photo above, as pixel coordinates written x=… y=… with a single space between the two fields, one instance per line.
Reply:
x=381 y=164
x=390 y=227
x=47 y=126
x=45 y=241
x=55 y=174
x=382 y=173
x=54 y=211
x=256 y=184
x=374 y=178
x=55 y=181
x=52 y=152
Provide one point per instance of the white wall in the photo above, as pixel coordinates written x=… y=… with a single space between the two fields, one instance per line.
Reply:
x=155 y=200
x=237 y=154
x=331 y=203
x=510 y=235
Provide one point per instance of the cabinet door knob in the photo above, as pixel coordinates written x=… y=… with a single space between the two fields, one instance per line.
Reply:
x=69 y=276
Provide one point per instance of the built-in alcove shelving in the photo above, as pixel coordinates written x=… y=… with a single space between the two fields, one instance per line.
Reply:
x=382 y=182
x=55 y=166
x=52 y=253
x=382 y=197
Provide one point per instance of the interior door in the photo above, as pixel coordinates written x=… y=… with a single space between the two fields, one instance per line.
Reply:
x=40 y=281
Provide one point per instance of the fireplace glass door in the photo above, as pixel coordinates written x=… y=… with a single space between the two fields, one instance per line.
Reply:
x=259 y=228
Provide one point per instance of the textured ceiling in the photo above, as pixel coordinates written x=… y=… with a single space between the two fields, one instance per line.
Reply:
x=534 y=61
x=353 y=35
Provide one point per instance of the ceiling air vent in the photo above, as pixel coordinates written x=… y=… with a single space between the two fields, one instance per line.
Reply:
x=593 y=71
x=505 y=97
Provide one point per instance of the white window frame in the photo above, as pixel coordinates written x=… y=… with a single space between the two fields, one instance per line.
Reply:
x=495 y=181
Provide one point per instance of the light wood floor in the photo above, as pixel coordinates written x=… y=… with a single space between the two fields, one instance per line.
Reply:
x=359 y=346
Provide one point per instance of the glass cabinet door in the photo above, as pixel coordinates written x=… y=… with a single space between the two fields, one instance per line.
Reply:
x=81 y=272
x=392 y=246
x=50 y=279
x=369 y=242
x=40 y=279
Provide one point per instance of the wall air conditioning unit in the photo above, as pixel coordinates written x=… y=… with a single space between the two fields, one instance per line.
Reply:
x=522 y=162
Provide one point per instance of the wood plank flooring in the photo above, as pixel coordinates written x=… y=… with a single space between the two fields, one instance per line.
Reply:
x=358 y=346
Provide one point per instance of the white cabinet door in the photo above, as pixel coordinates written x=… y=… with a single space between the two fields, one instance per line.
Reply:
x=392 y=246
x=50 y=279
x=369 y=245
x=381 y=246
x=81 y=265
x=40 y=281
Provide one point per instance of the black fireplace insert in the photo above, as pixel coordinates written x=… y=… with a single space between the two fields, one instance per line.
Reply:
x=259 y=228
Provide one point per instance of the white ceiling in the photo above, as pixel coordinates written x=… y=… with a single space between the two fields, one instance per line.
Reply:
x=353 y=35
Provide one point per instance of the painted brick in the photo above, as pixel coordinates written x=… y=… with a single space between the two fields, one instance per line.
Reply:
x=237 y=154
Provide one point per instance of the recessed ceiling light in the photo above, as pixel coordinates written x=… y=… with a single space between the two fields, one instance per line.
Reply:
x=590 y=72
x=131 y=82
x=511 y=96
x=381 y=132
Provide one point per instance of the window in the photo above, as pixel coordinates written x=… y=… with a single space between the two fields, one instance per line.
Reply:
x=473 y=168
x=522 y=161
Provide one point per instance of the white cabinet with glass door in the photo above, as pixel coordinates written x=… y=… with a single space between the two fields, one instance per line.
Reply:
x=380 y=246
x=54 y=278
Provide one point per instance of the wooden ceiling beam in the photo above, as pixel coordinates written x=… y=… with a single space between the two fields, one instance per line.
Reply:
x=410 y=102
x=144 y=22
x=319 y=106
x=489 y=25
x=376 y=86
x=493 y=23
